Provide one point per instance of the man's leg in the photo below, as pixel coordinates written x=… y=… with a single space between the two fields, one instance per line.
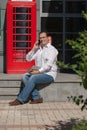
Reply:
x=35 y=93
x=24 y=80
x=31 y=83
x=30 y=86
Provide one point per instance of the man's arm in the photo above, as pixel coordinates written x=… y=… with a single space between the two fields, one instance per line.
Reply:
x=32 y=54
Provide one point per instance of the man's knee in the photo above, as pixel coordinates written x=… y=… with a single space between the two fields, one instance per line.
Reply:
x=33 y=78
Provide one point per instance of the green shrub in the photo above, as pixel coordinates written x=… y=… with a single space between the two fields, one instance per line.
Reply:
x=80 y=67
x=82 y=125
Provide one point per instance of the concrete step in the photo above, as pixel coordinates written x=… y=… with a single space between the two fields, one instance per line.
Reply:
x=64 y=86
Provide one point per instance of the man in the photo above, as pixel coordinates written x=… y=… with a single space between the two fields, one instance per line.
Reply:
x=45 y=56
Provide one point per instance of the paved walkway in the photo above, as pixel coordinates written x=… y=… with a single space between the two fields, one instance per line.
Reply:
x=45 y=116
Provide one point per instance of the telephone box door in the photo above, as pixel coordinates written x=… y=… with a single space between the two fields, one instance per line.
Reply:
x=21 y=34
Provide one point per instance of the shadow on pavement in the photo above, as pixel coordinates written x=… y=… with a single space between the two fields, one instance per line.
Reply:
x=60 y=125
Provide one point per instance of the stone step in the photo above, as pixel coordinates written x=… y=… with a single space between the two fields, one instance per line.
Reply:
x=64 y=86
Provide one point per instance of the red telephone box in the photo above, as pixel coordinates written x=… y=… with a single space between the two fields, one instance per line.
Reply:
x=20 y=34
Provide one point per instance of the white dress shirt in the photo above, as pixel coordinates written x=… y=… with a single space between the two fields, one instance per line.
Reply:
x=45 y=58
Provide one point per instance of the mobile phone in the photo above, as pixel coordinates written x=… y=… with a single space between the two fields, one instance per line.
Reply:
x=38 y=42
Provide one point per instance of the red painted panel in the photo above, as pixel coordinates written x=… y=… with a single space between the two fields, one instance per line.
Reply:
x=20 y=35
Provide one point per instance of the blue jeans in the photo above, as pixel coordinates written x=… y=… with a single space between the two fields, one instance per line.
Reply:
x=30 y=82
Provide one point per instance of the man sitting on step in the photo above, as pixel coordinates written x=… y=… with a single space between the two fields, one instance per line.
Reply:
x=45 y=56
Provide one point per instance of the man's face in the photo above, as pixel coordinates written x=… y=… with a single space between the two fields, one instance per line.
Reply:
x=43 y=39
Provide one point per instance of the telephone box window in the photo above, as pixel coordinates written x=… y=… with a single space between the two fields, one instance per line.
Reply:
x=22 y=23
x=19 y=37
x=22 y=30
x=21 y=10
x=21 y=17
x=21 y=44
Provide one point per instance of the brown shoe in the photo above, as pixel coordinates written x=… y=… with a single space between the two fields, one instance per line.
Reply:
x=15 y=102
x=40 y=100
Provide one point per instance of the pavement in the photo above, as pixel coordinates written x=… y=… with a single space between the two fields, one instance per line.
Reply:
x=44 y=116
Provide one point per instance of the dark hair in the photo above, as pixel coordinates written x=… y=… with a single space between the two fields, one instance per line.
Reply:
x=43 y=32
x=48 y=34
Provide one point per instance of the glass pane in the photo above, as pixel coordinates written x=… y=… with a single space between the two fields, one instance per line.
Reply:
x=22 y=30
x=75 y=6
x=68 y=56
x=71 y=37
x=52 y=6
x=21 y=10
x=22 y=23
x=60 y=55
x=75 y=24
x=52 y=24
x=21 y=17
x=57 y=40
x=21 y=44
x=20 y=37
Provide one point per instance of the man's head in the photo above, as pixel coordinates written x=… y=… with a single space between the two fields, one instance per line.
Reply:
x=43 y=38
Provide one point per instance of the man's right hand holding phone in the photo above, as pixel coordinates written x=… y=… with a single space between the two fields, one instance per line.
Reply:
x=36 y=46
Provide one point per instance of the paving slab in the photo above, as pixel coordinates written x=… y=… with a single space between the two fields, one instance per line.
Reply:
x=44 y=116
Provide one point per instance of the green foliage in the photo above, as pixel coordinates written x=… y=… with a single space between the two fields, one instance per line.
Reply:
x=79 y=100
x=82 y=125
x=80 y=67
x=80 y=46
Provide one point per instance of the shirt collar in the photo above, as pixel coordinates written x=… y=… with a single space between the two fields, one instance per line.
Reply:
x=46 y=46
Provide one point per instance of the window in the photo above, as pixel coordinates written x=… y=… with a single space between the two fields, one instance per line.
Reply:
x=52 y=24
x=74 y=24
x=63 y=20
x=75 y=6
x=52 y=7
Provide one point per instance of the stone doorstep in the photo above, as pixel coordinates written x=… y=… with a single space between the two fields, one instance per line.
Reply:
x=61 y=77
x=52 y=92
x=64 y=86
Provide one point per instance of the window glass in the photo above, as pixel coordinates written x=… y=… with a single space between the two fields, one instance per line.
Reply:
x=52 y=6
x=69 y=56
x=51 y=24
x=75 y=24
x=60 y=55
x=21 y=10
x=70 y=37
x=57 y=40
x=75 y=6
x=21 y=44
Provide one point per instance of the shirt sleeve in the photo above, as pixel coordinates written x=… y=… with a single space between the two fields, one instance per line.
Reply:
x=49 y=61
x=31 y=55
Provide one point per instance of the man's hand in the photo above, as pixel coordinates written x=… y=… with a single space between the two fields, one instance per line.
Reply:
x=35 y=46
x=34 y=71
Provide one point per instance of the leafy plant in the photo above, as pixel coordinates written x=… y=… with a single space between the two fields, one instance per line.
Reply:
x=79 y=100
x=81 y=125
x=80 y=67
